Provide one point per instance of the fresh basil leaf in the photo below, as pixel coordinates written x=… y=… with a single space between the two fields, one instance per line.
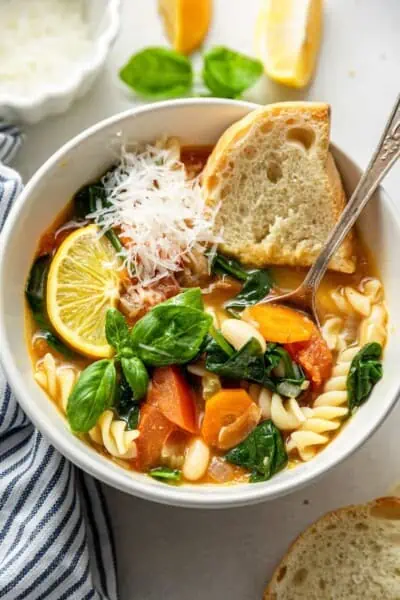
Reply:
x=227 y=73
x=222 y=265
x=92 y=394
x=136 y=375
x=126 y=405
x=255 y=288
x=365 y=371
x=117 y=331
x=166 y=474
x=262 y=452
x=247 y=363
x=157 y=72
x=191 y=297
x=169 y=334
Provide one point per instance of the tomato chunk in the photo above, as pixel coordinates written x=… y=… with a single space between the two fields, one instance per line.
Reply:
x=281 y=324
x=154 y=430
x=172 y=395
x=314 y=356
x=223 y=409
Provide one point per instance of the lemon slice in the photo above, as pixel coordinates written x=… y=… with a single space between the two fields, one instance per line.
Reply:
x=83 y=283
x=288 y=36
x=186 y=22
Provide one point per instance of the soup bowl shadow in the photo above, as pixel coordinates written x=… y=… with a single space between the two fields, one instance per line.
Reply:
x=87 y=156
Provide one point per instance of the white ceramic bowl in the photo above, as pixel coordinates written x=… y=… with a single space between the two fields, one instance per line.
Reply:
x=103 y=18
x=88 y=156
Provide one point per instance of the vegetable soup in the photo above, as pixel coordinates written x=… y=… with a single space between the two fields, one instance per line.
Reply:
x=154 y=346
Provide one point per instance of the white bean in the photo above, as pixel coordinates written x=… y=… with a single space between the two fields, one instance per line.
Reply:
x=196 y=459
x=238 y=333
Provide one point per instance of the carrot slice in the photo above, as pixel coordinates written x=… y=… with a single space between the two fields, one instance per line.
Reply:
x=154 y=430
x=222 y=410
x=171 y=393
x=314 y=356
x=281 y=324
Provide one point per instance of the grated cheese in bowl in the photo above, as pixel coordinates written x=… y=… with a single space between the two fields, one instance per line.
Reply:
x=42 y=42
x=161 y=213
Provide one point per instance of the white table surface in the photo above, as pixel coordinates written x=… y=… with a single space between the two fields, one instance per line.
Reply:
x=181 y=554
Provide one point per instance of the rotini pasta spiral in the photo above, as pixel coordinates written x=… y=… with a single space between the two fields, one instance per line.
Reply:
x=113 y=435
x=56 y=380
x=327 y=412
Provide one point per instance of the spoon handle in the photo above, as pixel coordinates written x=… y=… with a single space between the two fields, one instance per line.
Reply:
x=386 y=154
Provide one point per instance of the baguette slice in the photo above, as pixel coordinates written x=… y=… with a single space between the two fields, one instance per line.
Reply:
x=349 y=554
x=278 y=188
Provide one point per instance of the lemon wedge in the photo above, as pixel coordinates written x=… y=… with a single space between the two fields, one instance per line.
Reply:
x=83 y=283
x=186 y=22
x=288 y=36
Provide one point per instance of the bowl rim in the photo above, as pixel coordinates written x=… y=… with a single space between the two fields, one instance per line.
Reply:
x=79 y=455
x=86 y=68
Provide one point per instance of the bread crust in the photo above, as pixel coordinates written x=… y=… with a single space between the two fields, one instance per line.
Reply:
x=221 y=167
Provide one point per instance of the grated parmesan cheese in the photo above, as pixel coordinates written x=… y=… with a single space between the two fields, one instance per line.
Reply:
x=42 y=42
x=161 y=213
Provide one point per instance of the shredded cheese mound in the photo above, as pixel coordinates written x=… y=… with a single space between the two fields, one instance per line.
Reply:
x=42 y=42
x=160 y=213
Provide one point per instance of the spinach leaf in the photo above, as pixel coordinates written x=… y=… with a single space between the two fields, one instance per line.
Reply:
x=88 y=199
x=36 y=289
x=255 y=288
x=157 y=72
x=57 y=345
x=191 y=297
x=365 y=371
x=117 y=332
x=222 y=265
x=263 y=452
x=136 y=375
x=169 y=334
x=247 y=363
x=166 y=474
x=250 y=364
x=221 y=341
x=126 y=405
x=92 y=394
x=36 y=296
x=227 y=73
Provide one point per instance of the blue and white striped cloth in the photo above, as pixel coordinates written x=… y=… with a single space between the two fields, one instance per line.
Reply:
x=55 y=536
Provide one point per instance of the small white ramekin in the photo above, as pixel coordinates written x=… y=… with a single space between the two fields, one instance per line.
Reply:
x=105 y=20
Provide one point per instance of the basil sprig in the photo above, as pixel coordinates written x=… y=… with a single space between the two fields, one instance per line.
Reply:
x=171 y=333
x=365 y=371
x=158 y=72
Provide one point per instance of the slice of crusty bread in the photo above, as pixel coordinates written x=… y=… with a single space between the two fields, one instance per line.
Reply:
x=349 y=554
x=278 y=188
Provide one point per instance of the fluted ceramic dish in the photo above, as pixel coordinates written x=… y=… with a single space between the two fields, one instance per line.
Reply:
x=83 y=159
x=103 y=18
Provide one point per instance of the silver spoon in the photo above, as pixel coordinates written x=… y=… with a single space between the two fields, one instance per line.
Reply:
x=386 y=154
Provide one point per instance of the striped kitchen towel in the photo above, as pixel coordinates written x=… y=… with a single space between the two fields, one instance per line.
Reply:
x=55 y=536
